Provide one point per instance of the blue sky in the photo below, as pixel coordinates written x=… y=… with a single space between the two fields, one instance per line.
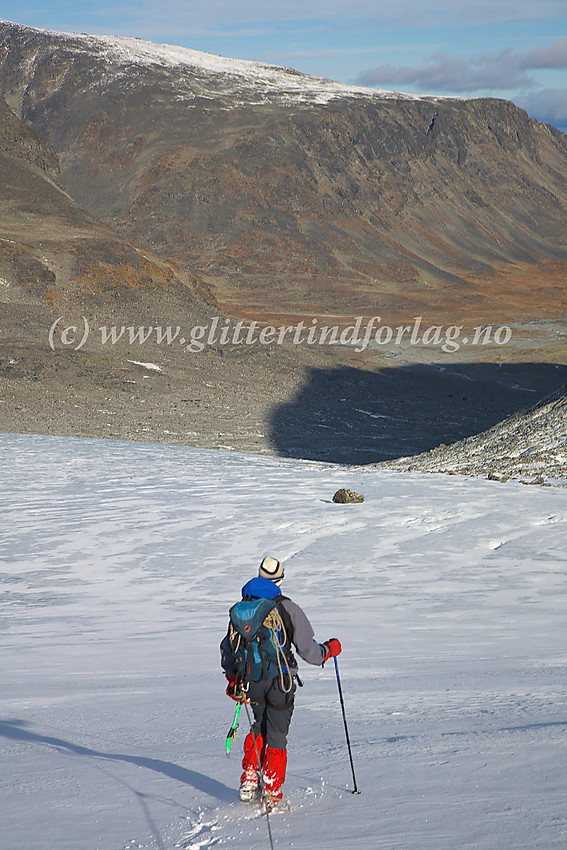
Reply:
x=516 y=49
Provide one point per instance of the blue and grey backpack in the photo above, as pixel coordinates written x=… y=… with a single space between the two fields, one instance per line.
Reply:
x=258 y=636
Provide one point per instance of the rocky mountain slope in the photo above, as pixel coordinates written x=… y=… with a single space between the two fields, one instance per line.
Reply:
x=531 y=445
x=289 y=194
x=58 y=262
x=49 y=246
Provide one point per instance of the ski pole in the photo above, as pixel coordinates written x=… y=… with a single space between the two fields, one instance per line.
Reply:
x=356 y=791
x=231 y=734
x=262 y=785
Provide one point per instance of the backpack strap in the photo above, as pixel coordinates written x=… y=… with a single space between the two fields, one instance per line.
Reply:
x=284 y=613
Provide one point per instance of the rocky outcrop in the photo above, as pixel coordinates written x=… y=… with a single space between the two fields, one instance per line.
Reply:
x=531 y=446
x=18 y=140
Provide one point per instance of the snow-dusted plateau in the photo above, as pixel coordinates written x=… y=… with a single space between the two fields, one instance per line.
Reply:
x=218 y=74
x=120 y=561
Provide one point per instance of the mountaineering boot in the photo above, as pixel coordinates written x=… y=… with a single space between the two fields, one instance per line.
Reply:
x=249 y=792
x=273 y=775
x=249 y=781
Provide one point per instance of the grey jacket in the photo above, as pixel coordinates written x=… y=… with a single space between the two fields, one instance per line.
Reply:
x=302 y=638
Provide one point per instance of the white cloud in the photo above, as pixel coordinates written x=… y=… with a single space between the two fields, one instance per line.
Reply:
x=552 y=55
x=486 y=71
x=548 y=105
x=445 y=73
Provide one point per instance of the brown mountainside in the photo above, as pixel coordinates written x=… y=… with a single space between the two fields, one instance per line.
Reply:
x=141 y=186
x=53 y=252
x=56 y=260
x=295 y=196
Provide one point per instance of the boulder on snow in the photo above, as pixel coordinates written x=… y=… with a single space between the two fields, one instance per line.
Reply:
x=348 y=497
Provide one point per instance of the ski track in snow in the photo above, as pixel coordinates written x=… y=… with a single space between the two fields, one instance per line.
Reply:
x=119 y=564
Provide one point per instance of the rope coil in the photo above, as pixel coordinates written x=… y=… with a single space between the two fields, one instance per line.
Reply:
x=276 y=625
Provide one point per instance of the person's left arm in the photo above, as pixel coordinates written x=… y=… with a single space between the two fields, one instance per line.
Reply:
x=304 y=637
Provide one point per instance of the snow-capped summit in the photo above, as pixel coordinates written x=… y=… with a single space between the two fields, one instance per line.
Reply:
x=229 y=76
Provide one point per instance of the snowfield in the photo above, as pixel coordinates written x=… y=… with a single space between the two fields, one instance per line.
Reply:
x=120 y=561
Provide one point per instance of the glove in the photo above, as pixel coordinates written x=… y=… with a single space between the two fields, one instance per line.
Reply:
x=233 y=689
x=332 y=647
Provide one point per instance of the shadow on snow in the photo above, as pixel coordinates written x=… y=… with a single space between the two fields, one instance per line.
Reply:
x=199 y=781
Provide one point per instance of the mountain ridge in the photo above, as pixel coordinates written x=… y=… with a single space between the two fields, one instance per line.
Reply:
x=369 y=204
x=125 y=51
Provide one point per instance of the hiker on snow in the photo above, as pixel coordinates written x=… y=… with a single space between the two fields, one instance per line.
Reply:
x=265 y=673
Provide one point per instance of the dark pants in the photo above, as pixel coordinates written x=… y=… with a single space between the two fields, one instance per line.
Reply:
x=272 y=711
